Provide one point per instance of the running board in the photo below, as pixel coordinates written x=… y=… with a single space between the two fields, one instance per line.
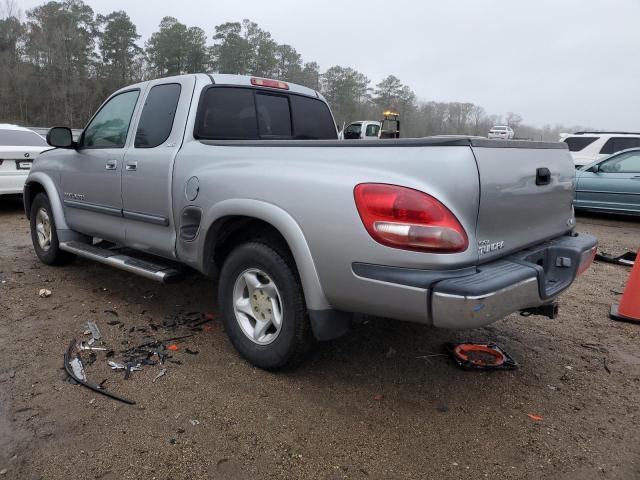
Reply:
x=144 y=268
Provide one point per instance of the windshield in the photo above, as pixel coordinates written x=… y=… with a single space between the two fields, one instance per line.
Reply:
x=354 y=128
x=21 y=138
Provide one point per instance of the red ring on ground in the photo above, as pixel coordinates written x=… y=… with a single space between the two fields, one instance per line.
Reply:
x=462 y=350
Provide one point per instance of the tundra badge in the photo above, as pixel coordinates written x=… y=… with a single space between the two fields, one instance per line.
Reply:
x=73 y=196
x=485 y=246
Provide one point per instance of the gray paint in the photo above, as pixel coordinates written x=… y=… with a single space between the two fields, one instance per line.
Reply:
x=306 y=192
x=147 y=190
x=515 y=210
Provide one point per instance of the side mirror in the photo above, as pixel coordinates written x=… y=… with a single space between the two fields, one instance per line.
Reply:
x=60 y=137
x=595 y=168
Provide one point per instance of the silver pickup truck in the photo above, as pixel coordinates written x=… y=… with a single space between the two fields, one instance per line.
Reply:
x=243 y=179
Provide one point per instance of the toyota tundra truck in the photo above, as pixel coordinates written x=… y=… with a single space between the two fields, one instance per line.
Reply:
x=244 y=180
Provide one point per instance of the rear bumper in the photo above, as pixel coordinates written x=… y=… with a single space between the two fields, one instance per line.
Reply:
x=12 y=182
x=470 y=299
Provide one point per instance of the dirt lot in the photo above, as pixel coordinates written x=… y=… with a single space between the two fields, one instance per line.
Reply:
x=373 y=404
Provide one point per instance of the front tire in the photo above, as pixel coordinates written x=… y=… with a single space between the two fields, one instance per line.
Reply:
x=262 y=306
x=43 y=233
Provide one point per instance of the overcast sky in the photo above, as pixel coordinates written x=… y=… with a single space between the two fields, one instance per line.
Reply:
x=572 y=62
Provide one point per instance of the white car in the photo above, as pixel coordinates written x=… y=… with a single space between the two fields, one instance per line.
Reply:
x=589 y=147
x=18 y=147
x=501 y=132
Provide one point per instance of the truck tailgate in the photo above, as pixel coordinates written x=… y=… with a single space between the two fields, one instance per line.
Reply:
x=526 y=194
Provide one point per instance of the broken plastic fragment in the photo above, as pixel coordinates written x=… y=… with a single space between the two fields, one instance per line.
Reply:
x=95 y=332
x=162 y=373
x=116 y=366
x=85 y=346
x=95 y=388
x=78 y=369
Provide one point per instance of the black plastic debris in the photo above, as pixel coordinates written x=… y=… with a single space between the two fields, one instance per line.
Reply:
x=627 y=259
x=96 y=388
x=137 y=351
x=480 y=356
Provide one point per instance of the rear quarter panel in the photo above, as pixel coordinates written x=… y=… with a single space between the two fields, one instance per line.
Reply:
x=314 y=186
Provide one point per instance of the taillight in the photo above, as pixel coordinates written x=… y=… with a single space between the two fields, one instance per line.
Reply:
x=264 y=82
x=404 y=218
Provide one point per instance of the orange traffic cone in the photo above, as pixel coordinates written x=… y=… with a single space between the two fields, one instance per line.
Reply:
x=629 y=308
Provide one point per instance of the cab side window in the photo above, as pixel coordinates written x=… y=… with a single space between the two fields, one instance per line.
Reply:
x=158 y=113
x=109 y=127
x=625 y=163
x=372 y=130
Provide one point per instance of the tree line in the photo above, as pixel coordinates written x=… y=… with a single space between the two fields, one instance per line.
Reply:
x=60 y=60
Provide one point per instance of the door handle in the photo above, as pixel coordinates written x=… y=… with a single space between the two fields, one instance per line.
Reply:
x=543 y=176
x=131 y=167
x=637 y=177
x=111 y=165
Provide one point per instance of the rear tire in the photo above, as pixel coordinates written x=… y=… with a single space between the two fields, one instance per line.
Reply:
x=262 y=306
x=43 y=233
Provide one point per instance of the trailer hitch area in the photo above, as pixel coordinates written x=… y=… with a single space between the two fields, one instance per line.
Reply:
x=549 y=310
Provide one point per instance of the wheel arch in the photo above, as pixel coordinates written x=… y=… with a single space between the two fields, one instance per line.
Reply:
x=39 y=182
x=237 y=216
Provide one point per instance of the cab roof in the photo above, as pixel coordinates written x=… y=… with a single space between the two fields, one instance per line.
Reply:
x=239 y=80
x=245 y=80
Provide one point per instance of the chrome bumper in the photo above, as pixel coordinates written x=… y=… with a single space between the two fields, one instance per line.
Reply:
x=528 y=279
x=465 y=311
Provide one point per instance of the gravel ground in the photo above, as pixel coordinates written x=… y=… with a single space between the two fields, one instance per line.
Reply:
x=377 y=403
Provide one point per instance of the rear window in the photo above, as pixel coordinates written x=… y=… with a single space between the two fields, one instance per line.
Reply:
x=579 y=143
x=312 y=119
x=232 y=113
x=616 y=144
x=227 y=114
x=20 y=138
x=274 y=116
